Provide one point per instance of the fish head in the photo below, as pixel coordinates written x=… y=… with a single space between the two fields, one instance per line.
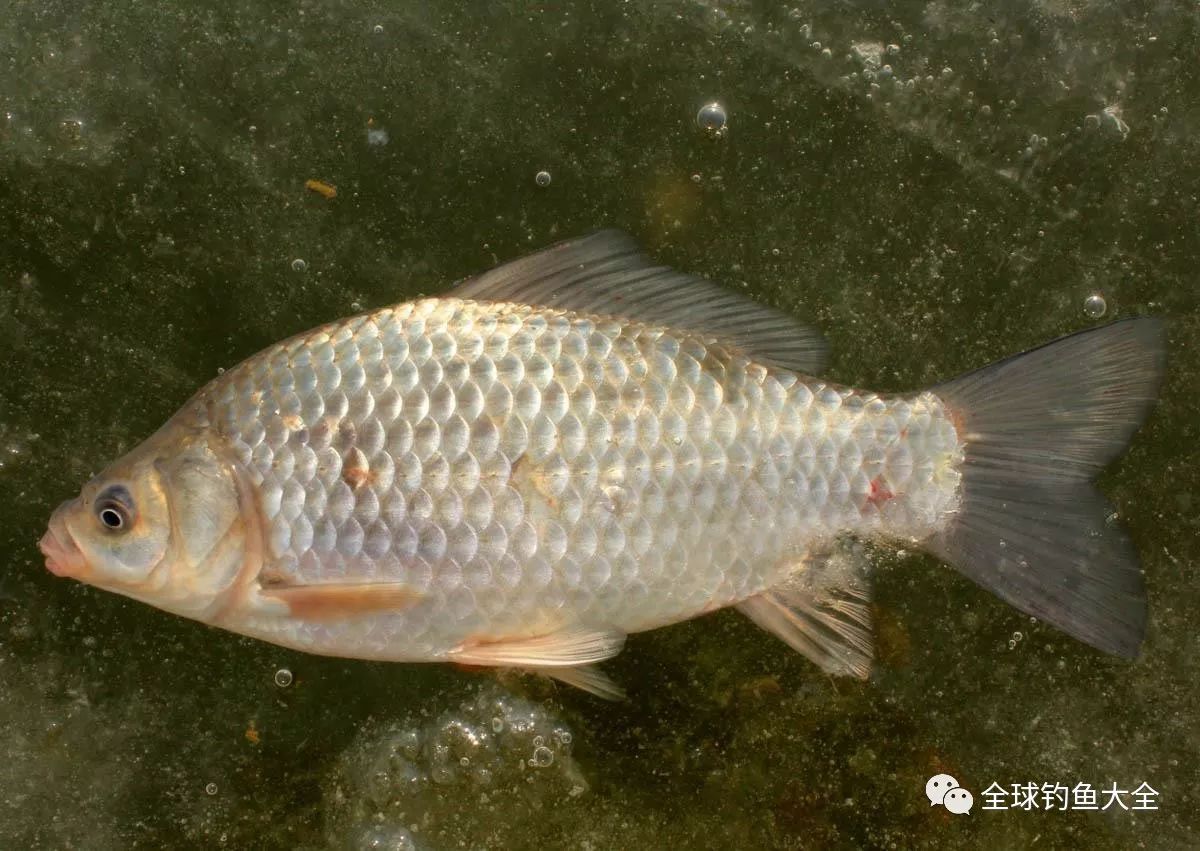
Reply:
x=165 y=524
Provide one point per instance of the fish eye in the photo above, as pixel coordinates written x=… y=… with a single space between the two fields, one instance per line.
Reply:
x=112 y=516
x=114 y=509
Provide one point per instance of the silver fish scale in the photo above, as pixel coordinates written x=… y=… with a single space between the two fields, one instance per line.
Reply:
x=523 y=469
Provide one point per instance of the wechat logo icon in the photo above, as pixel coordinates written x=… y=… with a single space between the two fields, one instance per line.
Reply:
x=943 y=790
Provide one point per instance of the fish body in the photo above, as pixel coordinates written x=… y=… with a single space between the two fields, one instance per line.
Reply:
x=543 y=461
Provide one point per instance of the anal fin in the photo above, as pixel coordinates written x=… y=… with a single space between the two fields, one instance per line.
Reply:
x=823 y=611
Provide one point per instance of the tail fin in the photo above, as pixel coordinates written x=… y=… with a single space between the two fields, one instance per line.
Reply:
x=1031 y=527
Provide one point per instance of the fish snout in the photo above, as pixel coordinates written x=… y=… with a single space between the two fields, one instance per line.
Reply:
x=63 y=557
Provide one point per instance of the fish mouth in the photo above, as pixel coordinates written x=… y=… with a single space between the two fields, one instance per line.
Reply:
x=62 y=559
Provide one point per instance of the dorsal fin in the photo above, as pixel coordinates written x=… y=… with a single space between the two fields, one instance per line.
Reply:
x=606 y=274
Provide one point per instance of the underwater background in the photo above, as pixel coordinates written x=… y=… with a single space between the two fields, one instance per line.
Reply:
x=935 y=185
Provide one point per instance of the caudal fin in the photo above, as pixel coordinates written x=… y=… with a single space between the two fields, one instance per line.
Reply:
x=1031 y=526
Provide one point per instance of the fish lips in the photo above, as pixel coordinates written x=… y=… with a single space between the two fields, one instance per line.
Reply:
x=63 y=558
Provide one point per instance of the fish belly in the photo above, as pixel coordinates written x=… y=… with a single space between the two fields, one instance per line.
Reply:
x=520 y=470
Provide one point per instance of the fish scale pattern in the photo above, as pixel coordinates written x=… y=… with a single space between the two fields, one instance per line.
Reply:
x=522 y=469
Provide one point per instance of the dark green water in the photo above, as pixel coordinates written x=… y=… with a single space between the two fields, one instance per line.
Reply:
x=959 y=205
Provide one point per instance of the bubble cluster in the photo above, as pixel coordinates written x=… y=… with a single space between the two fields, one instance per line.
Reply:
x=496 y=747
x=391 y=838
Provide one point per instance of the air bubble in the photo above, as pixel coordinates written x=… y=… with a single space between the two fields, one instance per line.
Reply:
x=210 y=789
x=542 y=178
x=1094 y=306
x=299 y=265
x=409 y=742
x=283 y=678
x=712 y=117
x=543 y=757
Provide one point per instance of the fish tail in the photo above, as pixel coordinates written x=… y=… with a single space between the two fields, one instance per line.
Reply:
x=1031 y=527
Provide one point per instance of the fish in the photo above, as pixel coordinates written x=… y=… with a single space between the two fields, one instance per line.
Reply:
x=579 y=445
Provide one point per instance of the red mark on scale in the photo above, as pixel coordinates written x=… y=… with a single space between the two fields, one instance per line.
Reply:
x=879 y=492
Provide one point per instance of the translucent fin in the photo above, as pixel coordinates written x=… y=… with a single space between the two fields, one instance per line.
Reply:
x=563 y=649
x=337 y=602
x=605 y=274
x=587 y=677
x=823 y=611
x=1031 y=527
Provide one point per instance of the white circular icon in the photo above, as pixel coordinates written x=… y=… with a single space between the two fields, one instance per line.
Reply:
x=958 y=801
x=937 y=786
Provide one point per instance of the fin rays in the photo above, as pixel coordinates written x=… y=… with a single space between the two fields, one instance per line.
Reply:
x=566 y=655
x=564 y=648
x=1031 y=527
x=605 y=274
x=820 y=611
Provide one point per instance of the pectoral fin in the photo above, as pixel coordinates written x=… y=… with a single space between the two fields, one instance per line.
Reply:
x=338 y=601
x=822 y=610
